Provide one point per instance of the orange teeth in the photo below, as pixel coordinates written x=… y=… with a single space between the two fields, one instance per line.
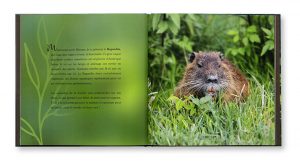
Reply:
x=210 y=90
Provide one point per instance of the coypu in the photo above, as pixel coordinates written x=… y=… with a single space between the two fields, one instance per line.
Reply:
x=209 y=74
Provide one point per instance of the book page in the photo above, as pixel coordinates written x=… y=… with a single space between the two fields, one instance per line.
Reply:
x=83 y=79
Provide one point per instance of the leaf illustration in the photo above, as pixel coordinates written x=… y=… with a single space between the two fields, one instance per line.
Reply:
x=31 y=68
x=31 y=131
x=27 y=125
x=42 y=37
x=26 y=131
x=41 y=86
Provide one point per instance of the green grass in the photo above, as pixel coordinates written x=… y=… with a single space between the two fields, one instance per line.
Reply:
x=191 y=121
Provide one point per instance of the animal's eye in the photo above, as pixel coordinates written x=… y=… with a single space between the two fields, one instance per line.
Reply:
x=200 y=65
x=219 y=65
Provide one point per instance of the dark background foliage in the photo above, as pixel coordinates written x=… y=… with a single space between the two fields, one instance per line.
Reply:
x=246 y=40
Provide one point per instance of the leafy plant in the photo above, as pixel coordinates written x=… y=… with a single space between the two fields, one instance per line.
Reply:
x=248 y=42
x=193 y=121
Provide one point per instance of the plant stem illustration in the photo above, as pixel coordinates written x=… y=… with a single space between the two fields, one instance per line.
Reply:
x=40 y=86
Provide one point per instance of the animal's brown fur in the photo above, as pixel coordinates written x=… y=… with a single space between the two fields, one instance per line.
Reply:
x=232 y=83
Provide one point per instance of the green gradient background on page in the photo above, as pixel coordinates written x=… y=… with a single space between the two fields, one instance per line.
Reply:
x=123 y=124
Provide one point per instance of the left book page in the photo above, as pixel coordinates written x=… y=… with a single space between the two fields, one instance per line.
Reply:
x=81 y=79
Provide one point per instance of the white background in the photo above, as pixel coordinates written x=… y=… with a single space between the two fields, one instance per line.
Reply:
x=290 y=151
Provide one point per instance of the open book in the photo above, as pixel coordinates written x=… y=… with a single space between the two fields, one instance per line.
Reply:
x=147 y=79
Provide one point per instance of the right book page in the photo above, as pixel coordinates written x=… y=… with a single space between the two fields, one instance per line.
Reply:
x=214 y=79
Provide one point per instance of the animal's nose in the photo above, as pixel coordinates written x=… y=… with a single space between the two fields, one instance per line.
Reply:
x=212 y=79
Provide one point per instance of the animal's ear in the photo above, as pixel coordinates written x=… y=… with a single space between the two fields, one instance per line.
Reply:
x=221 y=55
x=192 y=57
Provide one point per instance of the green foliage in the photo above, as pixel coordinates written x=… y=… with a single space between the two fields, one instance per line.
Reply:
x=248 y=42
x=269 y=44
x=163 y=22
x=193 y=121
x=252 y=44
